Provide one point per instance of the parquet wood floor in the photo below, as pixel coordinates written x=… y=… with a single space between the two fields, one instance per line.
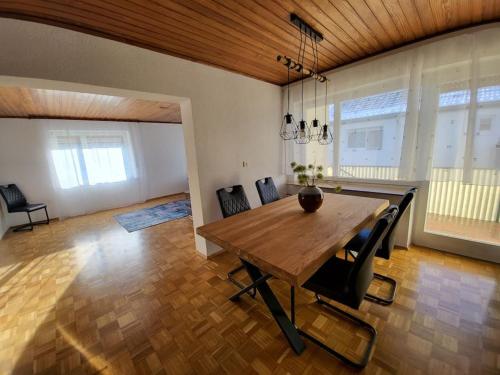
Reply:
x=83 y=296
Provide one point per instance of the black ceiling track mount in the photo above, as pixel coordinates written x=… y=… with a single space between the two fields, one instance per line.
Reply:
x=306 y=28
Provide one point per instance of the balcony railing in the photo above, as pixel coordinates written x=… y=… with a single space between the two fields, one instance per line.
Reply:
x=448 y=195
x=378 y=173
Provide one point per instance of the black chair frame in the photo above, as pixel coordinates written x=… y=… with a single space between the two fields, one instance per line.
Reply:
x=368 y=327
x=16 y=202
x=389 y=280
x=29 y=226
x=231 y=203
x=393 y=284
x=392 y=294
x=356 y=285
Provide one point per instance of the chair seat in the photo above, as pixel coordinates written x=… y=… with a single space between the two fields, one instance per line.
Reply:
x=29 y=207
x=330 y=281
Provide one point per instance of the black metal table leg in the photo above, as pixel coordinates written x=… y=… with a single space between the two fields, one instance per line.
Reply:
x=246 y=289
x=230 y=277
x=272 y=303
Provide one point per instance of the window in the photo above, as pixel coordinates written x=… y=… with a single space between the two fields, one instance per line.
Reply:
x=448 y=187
x=374 y=138
x=357 y=139
x=84 y=158
x=314 y=153
x=485 y=124
x=454 y=98
x=451 y=128
x=485 y=94
x=371 y=135
x=368 y=138
x=387 y=103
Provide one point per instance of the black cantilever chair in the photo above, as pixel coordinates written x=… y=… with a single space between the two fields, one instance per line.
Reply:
x=267 y=190
x=347 y=282
x=232 y=201
x=16 y=202
x=386 y=247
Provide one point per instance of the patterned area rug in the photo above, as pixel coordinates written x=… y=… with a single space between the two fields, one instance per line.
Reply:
x=148 y=217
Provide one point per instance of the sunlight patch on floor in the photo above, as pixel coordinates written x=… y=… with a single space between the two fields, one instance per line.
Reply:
x=39 y=284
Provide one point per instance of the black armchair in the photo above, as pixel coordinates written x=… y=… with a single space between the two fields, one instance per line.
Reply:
x=386 y=247
x=347 y=282
x=16 y=202
x=233 y=201
x=267 y=190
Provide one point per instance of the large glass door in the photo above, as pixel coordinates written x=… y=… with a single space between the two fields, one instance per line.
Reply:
x=464 y=190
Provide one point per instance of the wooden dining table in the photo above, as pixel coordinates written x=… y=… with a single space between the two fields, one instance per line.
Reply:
x=281 y=240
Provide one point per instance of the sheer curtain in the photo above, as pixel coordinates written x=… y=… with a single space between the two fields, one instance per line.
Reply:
x=429 y=113
x=94 y=165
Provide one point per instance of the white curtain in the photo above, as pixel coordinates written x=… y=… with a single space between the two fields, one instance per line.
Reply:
x=430 y=113
x=94 y=165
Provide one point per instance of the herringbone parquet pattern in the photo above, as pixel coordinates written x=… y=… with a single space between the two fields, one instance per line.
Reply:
x=83 y=296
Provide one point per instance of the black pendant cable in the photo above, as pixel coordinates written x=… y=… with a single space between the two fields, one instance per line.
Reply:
x=325 y=137
x=315 y=130
x=288 y=125
x=303 y=135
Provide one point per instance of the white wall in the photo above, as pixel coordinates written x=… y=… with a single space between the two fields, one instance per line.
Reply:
x=233 y=118
x=164 y=159
x=23 y=161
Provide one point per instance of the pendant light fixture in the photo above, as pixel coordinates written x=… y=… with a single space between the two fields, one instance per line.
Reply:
x=303 y=131
x=288 y=125
x=325 y=136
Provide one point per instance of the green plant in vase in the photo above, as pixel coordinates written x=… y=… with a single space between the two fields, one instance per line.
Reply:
x=307 y=176
x=310 y=196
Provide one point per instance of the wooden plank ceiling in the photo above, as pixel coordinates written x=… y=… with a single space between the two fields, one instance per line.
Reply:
x=37 y=103
x=245 y=36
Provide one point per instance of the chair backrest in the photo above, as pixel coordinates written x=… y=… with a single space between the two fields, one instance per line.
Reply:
x=232 y=200
x=267 y=190
x=12 y=196
x=390 y=238
x=361 y=274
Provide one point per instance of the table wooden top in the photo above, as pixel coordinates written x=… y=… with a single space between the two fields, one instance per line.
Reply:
x=283 y=240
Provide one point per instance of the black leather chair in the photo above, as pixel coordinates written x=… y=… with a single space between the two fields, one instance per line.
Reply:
x=386 y=247
x=16 y=202
x=233 y=201
x=347 y=282
x=267 y=190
